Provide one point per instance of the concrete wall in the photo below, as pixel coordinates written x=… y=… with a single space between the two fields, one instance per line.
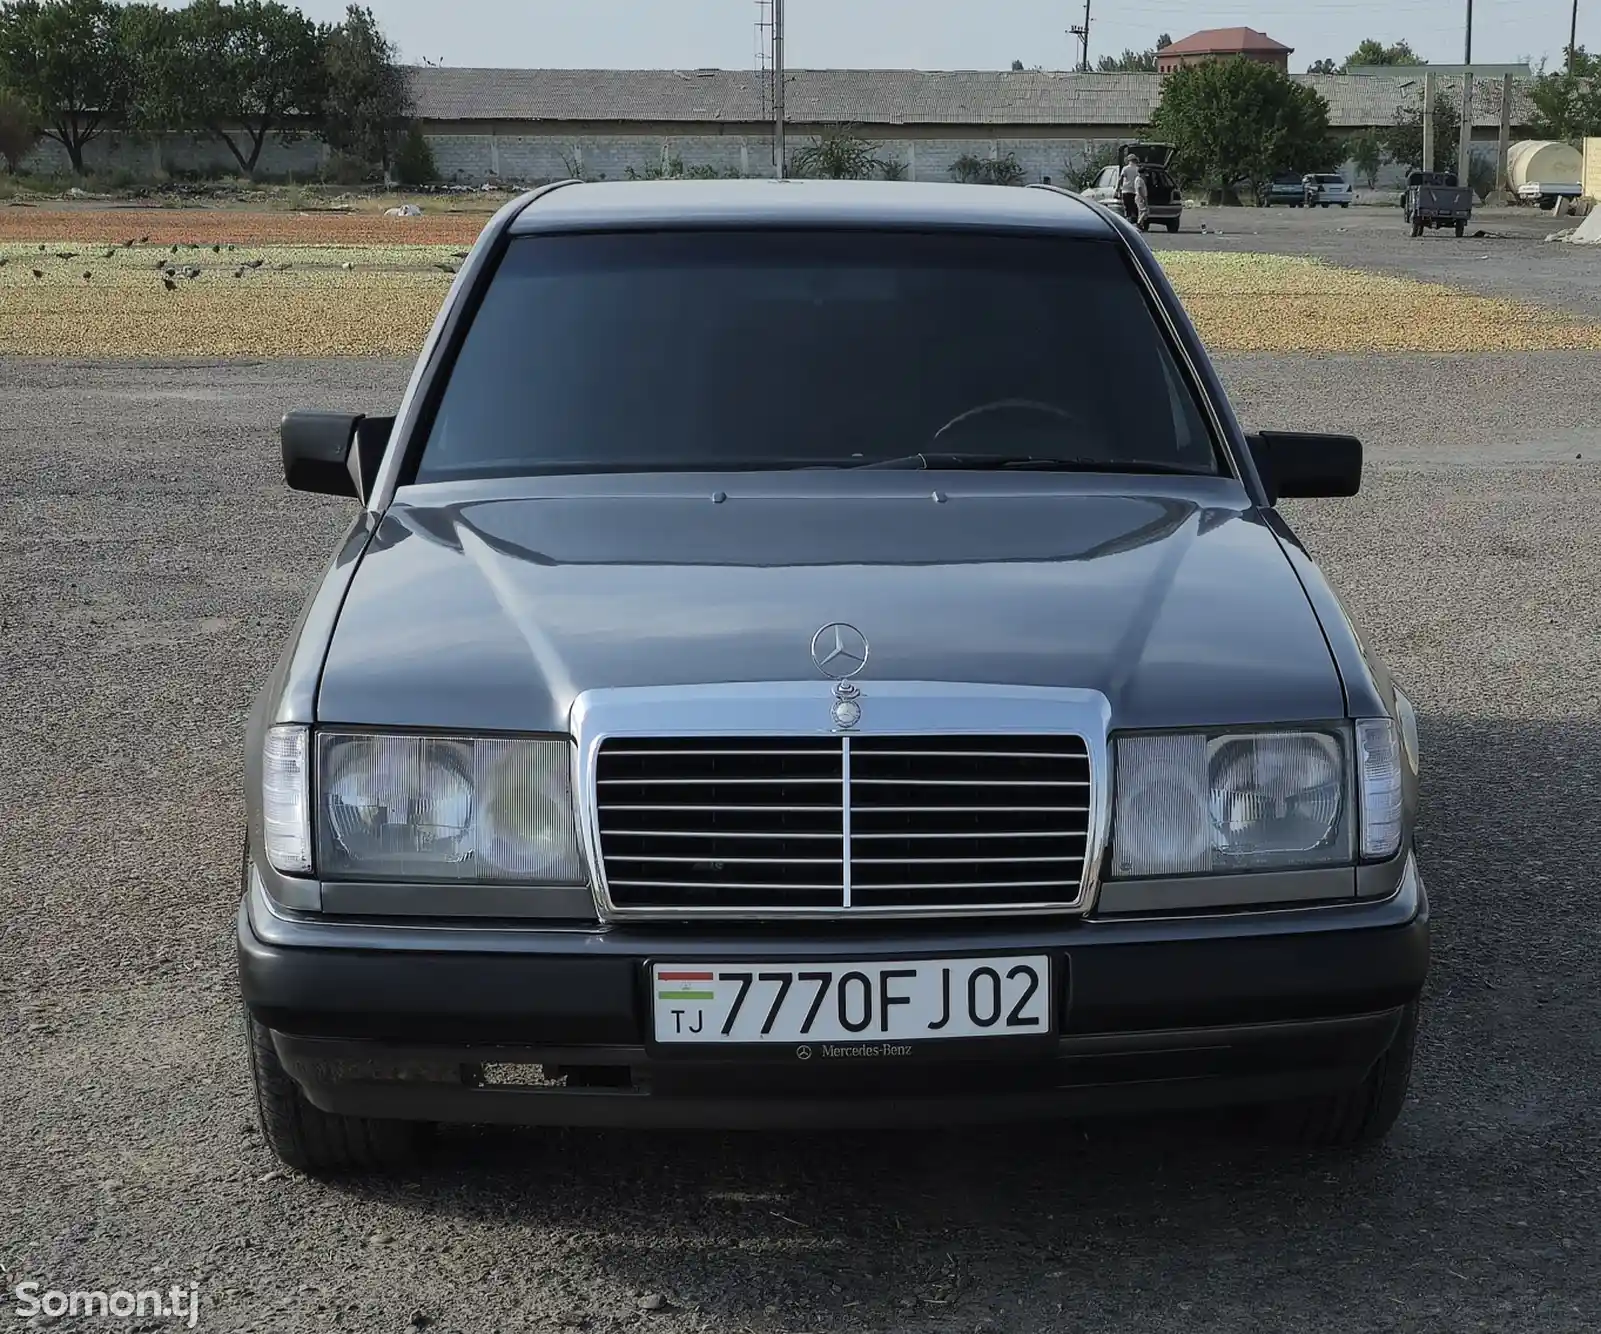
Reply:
x=1592 y=169
x=174 y=153
x=472 y=153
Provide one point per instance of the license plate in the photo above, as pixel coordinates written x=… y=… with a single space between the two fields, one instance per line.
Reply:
x=895 y=1001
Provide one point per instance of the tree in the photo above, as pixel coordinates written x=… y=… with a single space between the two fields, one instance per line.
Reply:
x=366 y=98
x=1367 y=153
x=839 y=154
x=1134 y=62
x=1371 y=52
x=1239 y=120
x=19 y=130
x=243 y=71
x=1403 y=140
x=1016 y=66
x=414 y=159
x=1568 y=106
x=65 y=61
x=1322 y=67
x=149 y=37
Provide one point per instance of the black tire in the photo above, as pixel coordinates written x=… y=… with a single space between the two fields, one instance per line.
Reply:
x=1417 y=227
x=1172 y=224
x=1461 y=228
x=1362 y=1115
x=320 y=1143
x=1345 y=203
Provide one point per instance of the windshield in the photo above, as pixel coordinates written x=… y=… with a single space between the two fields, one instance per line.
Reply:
x=768 y=349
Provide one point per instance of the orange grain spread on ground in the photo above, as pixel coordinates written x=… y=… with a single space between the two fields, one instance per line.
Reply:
x=235 y=227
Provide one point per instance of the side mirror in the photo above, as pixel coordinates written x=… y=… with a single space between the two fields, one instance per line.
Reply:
x=333 y=453
x=1306 y=465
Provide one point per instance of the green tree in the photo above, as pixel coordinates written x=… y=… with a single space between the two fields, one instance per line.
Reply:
x=1239 y=120
x=1403 y=140
x=1367 y=153
x=1323 y=67
x=243 y=71
x=148 y=34
x=366 y=99
x=414 y=159
x=1134 y=62
x=1568 y=106
x=19 y=130
x=64 y=59
x=839 y=153
x=1016 y=66
x=1371 y=52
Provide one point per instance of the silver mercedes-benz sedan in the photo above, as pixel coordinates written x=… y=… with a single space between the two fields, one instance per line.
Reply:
x=821 y=653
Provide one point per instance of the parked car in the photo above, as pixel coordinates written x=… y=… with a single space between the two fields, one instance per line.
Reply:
x=973 y=740
x=1166 y=200
x=1325 y=189
x=1286 y=188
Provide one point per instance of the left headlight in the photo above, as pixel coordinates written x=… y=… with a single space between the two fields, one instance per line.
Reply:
x=1192 y=802
x=474 y=809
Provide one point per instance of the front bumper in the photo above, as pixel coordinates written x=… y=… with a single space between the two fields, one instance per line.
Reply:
x=548 y=1027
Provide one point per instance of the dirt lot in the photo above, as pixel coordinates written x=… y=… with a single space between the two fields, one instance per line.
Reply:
x=1508 y=261
x=153 y=564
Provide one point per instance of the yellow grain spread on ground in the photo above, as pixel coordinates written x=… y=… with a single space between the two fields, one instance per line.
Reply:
x=380 y=300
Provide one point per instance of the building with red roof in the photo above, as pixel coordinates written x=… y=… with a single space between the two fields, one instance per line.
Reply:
x=1220 y=44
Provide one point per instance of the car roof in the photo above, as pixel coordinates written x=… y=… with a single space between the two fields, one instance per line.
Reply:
x=613 y=205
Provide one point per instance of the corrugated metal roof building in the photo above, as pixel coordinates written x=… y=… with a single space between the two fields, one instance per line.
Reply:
x=531 y=124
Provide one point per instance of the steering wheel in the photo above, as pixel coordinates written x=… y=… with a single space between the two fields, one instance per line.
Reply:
x=1011 y=404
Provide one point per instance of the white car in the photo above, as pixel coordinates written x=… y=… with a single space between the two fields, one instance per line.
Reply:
x=1326 y=188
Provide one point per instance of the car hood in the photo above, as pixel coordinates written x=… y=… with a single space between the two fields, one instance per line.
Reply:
x=484 y=610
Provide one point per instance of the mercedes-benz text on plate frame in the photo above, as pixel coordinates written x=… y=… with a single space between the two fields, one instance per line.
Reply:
x=893 y=1000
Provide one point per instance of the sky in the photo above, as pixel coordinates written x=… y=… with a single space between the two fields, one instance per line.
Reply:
x=944 y=34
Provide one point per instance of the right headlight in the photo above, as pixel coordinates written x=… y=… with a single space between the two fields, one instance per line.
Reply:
x=480 y=810
x=1236 y=800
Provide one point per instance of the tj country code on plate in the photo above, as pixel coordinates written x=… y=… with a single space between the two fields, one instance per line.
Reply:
x=899 y=1000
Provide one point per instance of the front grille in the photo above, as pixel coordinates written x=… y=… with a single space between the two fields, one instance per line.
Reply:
x=832 y=824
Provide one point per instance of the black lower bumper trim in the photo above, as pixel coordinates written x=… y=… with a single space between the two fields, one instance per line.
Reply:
x=623 y=1086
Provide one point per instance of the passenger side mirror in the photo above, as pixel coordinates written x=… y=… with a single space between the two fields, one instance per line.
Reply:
x=333 y=453
x=1306 y=465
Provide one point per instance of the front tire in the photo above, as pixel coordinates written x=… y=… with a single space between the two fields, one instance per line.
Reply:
x=1363 y=1115
x=321 y=1143
x=1172 y=225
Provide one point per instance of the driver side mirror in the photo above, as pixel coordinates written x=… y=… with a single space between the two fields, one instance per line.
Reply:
x=1306 y=465
x=333 y=453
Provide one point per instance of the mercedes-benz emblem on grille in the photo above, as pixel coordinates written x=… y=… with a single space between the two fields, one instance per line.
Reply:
x=803 y=1053
x=847 y=708
x=839 y=650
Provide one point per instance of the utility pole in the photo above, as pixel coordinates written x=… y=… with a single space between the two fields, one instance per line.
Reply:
x=1464 y=147
x=1083 y=35
x=1505 y=141
x=778 y=88
x=1428 y=121
x=1573 y=36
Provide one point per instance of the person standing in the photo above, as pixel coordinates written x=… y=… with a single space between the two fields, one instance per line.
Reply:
x=1128 y=185
x=1142 y=201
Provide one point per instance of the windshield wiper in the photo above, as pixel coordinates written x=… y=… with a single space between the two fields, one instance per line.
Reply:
x=1030 y=463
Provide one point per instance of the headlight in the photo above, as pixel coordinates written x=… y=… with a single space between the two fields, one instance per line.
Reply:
x=445 y=809
x=1191 y=802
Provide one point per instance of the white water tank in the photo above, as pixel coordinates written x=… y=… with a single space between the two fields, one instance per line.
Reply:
x=1545 y=161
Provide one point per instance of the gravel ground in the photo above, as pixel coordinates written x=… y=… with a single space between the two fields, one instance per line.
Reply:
x=155 y=561
x=1511 y=260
